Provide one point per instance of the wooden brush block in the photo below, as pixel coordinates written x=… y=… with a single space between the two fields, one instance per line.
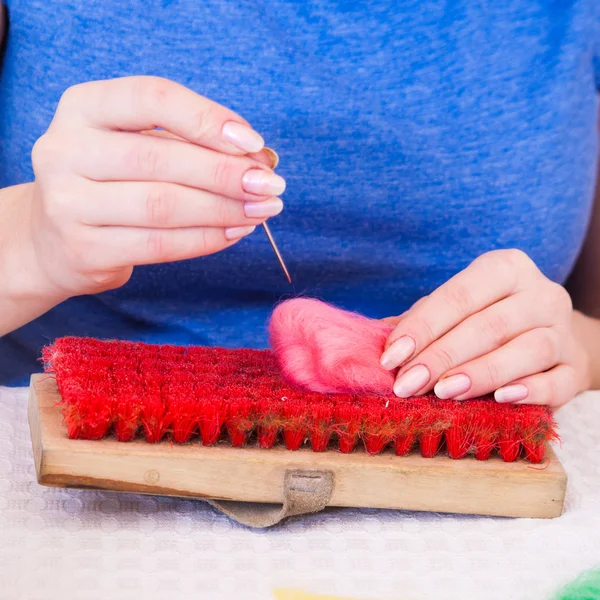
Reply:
x=438 y=484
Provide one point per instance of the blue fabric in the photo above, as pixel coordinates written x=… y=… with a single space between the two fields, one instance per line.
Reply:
x=414 y=137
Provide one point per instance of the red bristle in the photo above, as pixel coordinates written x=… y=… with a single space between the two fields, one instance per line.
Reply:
x=72 y=422
x=147 y=388
x=509 y=447
x=483 y=449
x=320 y=426
x=430 y=443
x=267 y=436
x=269 y=421
x=295 y=424
x=212 y=415
x=153 y=417
x=378 y=429
x=485 y=428
x=89 y=410
x=348 y=418
x=534 y=452
x=127 y=410
x=403 y=444
x=240 y=420
x=405 y=427
x=183 y=417
x=458 y=442
x=459 y=435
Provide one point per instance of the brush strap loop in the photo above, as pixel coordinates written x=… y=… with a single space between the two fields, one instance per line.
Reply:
x=305 y=491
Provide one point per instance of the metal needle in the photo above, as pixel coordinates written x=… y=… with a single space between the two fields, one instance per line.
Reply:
x=276 y=250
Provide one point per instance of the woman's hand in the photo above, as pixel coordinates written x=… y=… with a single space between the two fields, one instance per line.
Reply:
x=112 y=191
x=497 y=327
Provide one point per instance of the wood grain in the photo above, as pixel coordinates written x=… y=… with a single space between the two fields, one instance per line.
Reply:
x=438 y=484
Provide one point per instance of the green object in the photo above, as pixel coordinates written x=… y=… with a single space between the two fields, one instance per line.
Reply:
x=585 y=587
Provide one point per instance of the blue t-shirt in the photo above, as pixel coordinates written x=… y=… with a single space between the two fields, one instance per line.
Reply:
x=414 y=136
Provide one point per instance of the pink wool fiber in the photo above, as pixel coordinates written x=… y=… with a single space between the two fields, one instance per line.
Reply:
x=329 y=350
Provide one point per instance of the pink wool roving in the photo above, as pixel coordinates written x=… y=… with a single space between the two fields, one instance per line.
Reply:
x=329 y=350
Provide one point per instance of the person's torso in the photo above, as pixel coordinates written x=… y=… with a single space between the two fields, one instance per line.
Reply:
x=413 y=136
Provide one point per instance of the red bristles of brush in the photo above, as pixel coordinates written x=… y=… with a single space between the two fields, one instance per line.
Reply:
x=239 y=397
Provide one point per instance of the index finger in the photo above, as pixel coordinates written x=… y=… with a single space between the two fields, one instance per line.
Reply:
x=140 y=103
x=484 y=282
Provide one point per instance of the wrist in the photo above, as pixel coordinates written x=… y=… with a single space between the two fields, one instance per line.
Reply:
x=25 y=291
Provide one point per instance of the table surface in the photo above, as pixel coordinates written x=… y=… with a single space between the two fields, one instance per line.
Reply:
x=100 y=545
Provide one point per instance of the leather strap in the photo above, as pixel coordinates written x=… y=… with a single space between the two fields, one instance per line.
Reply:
x=304 y=492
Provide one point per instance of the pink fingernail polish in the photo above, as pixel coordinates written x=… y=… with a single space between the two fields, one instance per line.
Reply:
x=242 y=137
x=235 y=233
x=412 y=381
x=399 y=352
x=263 y=183
x=268 y=208
x=452 y=386
x=511 y=393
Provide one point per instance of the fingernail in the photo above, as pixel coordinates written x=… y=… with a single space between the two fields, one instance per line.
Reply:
x=452 y=386
x=268 y=208
x=400 y=351
x=511 y=393
x=242 y=137
x=264 y=183
x=235 y=233
x=412 y=381
x=273 y=156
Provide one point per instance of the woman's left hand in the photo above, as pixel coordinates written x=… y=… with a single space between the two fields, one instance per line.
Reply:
x=500 y=326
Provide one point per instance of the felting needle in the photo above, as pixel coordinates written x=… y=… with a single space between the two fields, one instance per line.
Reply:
x=276 y=250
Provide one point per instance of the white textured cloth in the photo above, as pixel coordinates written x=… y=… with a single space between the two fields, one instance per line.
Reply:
x=84 y=545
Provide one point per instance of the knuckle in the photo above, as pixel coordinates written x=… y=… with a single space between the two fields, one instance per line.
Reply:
x=495 y=328
x=160 y=205
x=560 y=300
x=515 y=257
x=223 y=213
x=150 y=92
x=203 y=122
x=460 y=299
x=45 y=152
x=202 y=243
x=548 y=347
x=510 y=264
x=549 y=391
x=148 y=159
x=443 y=358
x=72 y=96
x=424 y=330
x=57 y=207
x=494 y=375
x=156 y=245
x=224 y=172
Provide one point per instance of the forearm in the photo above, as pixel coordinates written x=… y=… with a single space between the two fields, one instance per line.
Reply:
x=23 y=293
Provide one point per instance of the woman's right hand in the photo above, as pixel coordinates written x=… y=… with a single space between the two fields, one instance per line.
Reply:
x=111 y=191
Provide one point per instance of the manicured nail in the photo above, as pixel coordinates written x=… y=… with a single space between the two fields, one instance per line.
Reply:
x=400 y=351
x=242 y=137
x=452 y=386
x=263 y=183
x=235 y=233
x=511 y=393
x=412 y=381
x=273 y=156
x=268 y=208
